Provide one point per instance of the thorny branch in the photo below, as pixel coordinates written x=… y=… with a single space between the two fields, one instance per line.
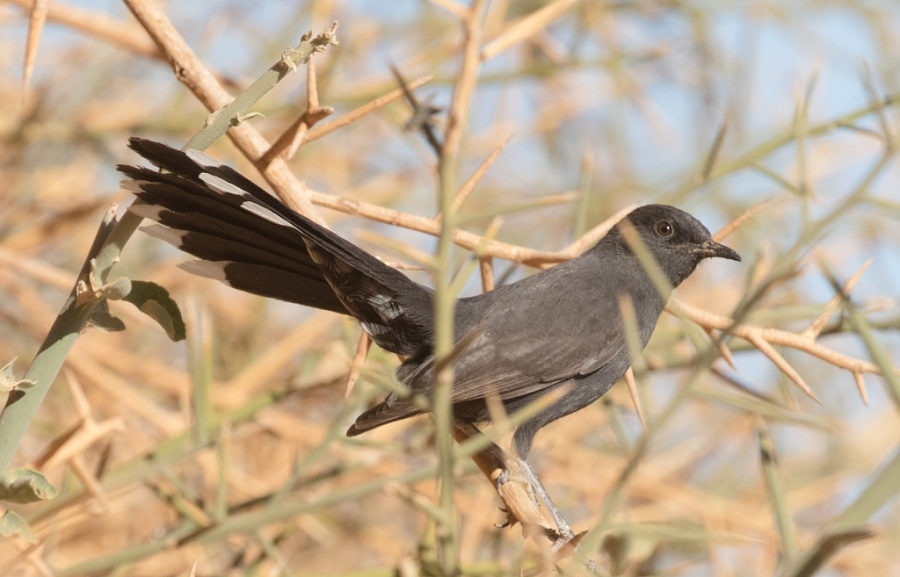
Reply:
x=212 y=93
x=256 y=148
x=763 y=338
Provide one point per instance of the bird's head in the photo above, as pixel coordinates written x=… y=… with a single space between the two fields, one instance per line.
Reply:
x=675 y=239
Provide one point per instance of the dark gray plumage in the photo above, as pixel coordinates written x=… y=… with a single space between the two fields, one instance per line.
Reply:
x=557 y=326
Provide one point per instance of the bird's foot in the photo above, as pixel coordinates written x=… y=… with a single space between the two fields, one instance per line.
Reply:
x=509 y=522
x=506 y=477
x=502 y=479
x=564 y=533
x=539 y=496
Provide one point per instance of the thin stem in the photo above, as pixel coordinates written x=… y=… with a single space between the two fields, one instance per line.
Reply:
x=445 y=298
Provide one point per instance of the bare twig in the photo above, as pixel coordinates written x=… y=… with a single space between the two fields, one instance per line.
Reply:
x=451 y=6
x=476 y=177
x=323 y=129
x=445 y=297
x=764 y=337
x=99 y=25
x=724 y=351
x=362 y=349
x=527 y=26
x=591 y=237
x=36 y=21
x=291 y=139
x=422 y=119
x=815 y=328
x=635 y=397
x=729 y=228
x=713 y=155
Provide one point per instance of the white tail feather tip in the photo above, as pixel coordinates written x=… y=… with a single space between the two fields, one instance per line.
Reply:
x=164 y=233
x=133 y=185
x=202 y=159
x=265 y=213
x=205 y=268
x=223 y=186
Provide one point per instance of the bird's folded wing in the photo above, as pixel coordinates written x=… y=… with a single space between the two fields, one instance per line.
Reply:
x=527 y=365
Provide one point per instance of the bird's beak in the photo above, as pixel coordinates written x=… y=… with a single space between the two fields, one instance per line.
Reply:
x=711 y=249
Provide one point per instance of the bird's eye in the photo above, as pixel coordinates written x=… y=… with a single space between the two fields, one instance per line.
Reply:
x=664 y=228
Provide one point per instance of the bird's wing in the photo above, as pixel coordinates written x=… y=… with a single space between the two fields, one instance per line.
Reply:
x=522 y=364
x=482 y=373
x=519 y=340
x=526 y=337
x=250 y=240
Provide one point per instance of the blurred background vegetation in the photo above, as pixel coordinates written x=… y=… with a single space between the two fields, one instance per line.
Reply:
x=229 y=452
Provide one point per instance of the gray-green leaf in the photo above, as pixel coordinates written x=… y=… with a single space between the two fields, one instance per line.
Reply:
x=13 y=525
x=101 y=318
x=25 y=486
x=155 y=302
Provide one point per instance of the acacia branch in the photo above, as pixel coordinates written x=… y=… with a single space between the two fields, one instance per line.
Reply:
x=764 y=337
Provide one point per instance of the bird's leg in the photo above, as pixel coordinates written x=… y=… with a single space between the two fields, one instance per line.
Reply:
x=519 y=488
x=520 y=504
x=564 y=532
x=536 y=489
x=503 y=478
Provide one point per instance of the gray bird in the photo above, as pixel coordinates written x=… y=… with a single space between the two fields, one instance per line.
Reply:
x=559 y=327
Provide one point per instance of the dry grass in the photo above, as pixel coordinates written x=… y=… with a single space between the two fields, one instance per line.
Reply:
x=228 y=455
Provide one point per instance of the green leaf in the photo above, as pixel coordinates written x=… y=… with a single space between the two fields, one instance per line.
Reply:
x=104 y=320
x=8 y=380
x=155 y=302
x=13 y=525
x=25 y=486
x=92 y=288
x=117 y=289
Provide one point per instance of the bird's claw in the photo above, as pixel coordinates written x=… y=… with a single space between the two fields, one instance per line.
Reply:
x=501 y=480
x=510 y=519
x=505 y=477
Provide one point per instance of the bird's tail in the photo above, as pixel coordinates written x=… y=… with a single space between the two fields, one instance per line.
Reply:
x=249 y=240
x=236 y=246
